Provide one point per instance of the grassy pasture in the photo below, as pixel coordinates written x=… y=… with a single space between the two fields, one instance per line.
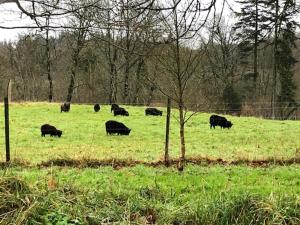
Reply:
x=84 y=135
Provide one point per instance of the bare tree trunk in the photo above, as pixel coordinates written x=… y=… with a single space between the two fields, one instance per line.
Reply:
x=180 y=96
x=73 y=73
x=127 y=51
x=111 y=82
x=274 y=98
x=71 y=86
x=112 y=85
x=83 y=22
x=113 y=79
x=151 y=94
x=112 y=56
x=255 y=48
x=138 y=85
x=127 y=66
x=126 y=85
x=50 y=97
x=182 y=138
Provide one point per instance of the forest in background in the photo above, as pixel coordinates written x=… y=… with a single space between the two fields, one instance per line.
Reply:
x=128 y=55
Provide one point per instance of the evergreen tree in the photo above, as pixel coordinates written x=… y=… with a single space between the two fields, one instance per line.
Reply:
x=286 y=62
x=282 y=14
x=250 y=30
x=232 y=99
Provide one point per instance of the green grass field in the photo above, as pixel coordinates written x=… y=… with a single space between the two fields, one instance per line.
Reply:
x=143 y=195
x=84 y=135
x=201 y=195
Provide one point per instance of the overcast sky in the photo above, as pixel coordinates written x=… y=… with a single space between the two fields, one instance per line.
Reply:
x=10 y=16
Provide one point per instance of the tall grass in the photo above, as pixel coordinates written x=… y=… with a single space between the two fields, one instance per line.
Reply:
x=144 y=195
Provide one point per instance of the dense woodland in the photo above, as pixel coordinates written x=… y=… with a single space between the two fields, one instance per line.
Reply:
x=118 y=52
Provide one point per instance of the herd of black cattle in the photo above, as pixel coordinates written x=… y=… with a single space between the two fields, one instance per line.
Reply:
x=114 y=127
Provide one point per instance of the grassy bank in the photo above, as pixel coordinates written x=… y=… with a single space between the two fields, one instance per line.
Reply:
x=142 y=195
x=84 y=135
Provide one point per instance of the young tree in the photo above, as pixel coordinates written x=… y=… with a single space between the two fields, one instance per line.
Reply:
x=221 y=64
x=26 y=61
x=124 y=38
x=177 y=59
x=82 y=20
x=138 y=25
x=48 y=57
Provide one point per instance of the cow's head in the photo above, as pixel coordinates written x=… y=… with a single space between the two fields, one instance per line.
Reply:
x=59 y=133
x=229 y=124
x=127 y=132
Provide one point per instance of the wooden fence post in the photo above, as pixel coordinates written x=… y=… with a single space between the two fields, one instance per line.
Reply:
x=6 y=118
x=167 y=159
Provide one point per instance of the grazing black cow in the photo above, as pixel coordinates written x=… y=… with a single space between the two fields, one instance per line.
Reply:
x=221 y=121
x=153 y=112
x=114 y=127
x=114 y=107
x=48 y=129
x=120 y=111
x=97 y=107
x=65 y=107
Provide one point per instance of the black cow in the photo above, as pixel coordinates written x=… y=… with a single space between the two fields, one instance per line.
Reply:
x=97 y=107
x=221 y=121
x=48 y=129
x=114 y=127
x=228 y=124
x=114 y=107
x=120 y=111
x=65 y=107
x=153 y=112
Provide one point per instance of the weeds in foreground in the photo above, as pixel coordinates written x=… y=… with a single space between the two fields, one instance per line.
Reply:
x=22 y=204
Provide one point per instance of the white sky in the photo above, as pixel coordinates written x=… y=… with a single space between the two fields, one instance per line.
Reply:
x=10 y=16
